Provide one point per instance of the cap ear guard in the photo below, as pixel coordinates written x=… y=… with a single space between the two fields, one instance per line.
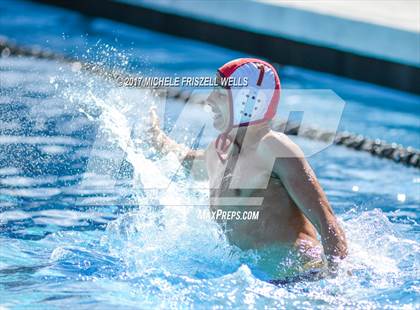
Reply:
x=250 y=106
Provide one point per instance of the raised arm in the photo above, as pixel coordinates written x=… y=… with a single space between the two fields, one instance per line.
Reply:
x=162 y=143
x=302 y=185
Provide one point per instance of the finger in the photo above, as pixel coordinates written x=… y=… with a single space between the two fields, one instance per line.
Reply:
x=154 y=117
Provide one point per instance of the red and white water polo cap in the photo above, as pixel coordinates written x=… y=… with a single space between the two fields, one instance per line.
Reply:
x=257 y=101
x=251 y=104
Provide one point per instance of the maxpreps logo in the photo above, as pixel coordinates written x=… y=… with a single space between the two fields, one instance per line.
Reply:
x=223 y=215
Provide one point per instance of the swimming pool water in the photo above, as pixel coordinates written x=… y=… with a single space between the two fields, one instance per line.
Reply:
x=79 y=227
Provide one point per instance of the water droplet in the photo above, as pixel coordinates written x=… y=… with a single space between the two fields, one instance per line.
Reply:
x=5 y=52
x=76 y=66
x=401 y=197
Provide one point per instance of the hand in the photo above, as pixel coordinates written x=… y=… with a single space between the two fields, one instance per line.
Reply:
x=334 y=242
x=158 y=138
x=161 y=142
x=154 y=129
x=154 y=122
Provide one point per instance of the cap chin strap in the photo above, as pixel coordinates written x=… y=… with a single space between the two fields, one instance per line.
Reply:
x=223 y=142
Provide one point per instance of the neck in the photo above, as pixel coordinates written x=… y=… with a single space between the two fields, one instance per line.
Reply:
x=253 y=133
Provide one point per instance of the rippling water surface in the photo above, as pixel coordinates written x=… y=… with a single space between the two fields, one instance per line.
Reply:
x=79 y=224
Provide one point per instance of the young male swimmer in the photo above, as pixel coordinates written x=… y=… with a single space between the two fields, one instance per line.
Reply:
x=294 y=206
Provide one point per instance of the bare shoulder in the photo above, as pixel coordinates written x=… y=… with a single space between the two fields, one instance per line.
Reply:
x=289 y=159
x=279 y=145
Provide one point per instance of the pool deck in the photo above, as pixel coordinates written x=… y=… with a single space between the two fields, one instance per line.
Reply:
x=373 y=41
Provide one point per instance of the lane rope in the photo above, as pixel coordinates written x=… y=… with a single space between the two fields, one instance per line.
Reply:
x=376 y=147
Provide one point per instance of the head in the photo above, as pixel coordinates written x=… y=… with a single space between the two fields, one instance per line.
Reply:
x=245 y=105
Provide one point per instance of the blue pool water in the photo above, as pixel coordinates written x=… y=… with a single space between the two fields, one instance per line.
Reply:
x=78 y=228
